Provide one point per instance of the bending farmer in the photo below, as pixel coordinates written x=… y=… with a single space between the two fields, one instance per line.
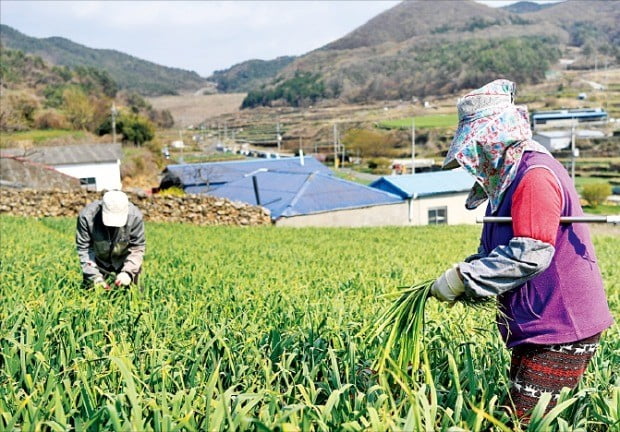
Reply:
x=546 y=276
x=110 y=241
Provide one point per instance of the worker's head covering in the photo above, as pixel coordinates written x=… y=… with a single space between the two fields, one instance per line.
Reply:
x=115 y=208
x=490 y=140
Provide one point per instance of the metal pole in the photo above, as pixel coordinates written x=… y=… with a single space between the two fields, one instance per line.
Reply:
x=342 y=147
x=335 y=146
x=615 y=219
x=255 y=184
x=113 y=123
x=572 y=149
x=278 y=136
x=412 y=145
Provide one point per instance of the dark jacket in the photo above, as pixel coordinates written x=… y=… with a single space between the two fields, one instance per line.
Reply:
x=102 y=249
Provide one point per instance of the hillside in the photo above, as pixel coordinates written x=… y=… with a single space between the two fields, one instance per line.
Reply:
x=419 y=49
x=525 y=7
x=129 y=72
x=249 y=74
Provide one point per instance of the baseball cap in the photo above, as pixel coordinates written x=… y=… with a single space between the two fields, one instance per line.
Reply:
x=115 y=208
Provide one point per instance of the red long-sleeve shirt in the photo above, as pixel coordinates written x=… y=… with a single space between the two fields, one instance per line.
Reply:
x=537 y=206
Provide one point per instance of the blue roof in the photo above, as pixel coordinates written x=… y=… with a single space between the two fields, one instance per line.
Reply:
x=568 y=114
x=292 y=194
x=190 y=176
x=425 y=184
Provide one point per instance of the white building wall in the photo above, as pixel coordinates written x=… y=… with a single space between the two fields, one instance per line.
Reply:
x=107 y=174
x=380 y=215
x=553 y=143
x=455 y=205
x=392 y=214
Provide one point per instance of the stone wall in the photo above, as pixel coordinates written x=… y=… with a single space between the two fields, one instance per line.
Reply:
x=195 y=209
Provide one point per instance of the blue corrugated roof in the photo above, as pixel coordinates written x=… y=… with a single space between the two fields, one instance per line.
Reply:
x=425 y=184
x=292 y=194
x=218 y=173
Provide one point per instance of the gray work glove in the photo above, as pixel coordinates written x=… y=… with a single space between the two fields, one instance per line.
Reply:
x=122 y=279
x=448 y=286
x=99 y=282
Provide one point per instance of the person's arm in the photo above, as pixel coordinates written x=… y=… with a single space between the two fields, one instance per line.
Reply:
x=137 y=247
x=536 y=209
x=481 y=253
x=85 y=252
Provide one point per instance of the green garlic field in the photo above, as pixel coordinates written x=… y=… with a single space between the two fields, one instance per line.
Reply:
x=261 y=329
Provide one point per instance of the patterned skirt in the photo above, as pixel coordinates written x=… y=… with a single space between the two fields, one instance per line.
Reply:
x=538 y=369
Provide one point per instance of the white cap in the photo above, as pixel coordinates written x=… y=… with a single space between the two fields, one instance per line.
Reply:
x=115 y=208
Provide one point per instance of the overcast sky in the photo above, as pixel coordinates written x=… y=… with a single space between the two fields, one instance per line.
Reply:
x=201 y=36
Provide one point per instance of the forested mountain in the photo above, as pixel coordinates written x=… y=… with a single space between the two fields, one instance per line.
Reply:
x=416 y=49
x=128 y=72
x=421 y=48
x=526 y=6
x=249 y=74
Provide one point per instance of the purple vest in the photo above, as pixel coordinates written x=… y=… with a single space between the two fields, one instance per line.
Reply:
x=567 y=301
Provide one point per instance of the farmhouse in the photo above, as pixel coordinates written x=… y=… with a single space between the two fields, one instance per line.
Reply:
x=432 y=198
x=97 y=166
x=202 y=177
x=18 y=173
x=298 y=191
x=567 y=117
x=554 y=140
x=313 y=199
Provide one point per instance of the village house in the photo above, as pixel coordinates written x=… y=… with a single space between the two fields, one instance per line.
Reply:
x=432 y=198
x=298 y=191
x=97 y=166
x=17 y=173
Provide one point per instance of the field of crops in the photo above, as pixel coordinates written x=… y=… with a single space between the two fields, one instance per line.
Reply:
x=422 y=122
x=38 y=136
x=260 y=329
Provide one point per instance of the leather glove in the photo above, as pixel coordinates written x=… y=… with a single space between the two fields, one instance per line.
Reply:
x=122 y=279
x=448 y=286
x=99 y=282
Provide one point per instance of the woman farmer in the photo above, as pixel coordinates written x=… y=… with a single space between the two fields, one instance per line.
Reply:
x=551 y=296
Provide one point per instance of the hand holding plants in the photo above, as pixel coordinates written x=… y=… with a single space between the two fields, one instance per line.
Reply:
x=448 y=286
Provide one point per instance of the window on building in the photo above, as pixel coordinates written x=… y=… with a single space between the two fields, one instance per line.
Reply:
x=89 y=183
x=437 y=215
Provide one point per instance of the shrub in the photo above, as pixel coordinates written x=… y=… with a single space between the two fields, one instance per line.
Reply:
x=596 y=193
x=78 y=108
x=50 y=119
x=137 y=129
x=378 y=163
x=172 y=191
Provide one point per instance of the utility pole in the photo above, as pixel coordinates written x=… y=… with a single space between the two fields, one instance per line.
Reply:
x=114 y=112
x=412 y=145
x=335 y=146
x=278 y=137
x=342 y=147
x=574 y=152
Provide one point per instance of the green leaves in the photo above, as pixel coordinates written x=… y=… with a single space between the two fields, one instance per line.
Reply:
x=262 y=329
x=404 y=322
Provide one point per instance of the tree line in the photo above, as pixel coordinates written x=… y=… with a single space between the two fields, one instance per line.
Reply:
x=37 y=95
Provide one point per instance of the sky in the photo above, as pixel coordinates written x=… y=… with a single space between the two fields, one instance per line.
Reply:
x=201 y=36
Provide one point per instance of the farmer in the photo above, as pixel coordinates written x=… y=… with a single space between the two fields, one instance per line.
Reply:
x=110 y=241
x=549 y=286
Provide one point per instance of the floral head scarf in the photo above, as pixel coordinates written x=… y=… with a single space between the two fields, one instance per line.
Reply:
x=490 y=140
